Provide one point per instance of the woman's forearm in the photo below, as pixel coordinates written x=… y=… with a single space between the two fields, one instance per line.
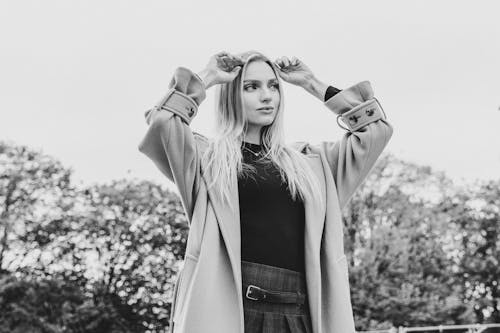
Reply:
x=316 y=88
x=207 y=77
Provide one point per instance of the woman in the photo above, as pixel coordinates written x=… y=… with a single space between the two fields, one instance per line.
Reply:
x=265 y=245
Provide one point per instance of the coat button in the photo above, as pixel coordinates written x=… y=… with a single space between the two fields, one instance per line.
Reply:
x=190 y=111
x=353 y=119
x=370 y=112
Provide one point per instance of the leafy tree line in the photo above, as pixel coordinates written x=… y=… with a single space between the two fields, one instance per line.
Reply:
x=423 y=250
x=97 y=259
x=103 y=258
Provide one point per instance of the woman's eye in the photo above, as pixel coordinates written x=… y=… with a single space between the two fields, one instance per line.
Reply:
x=254 y=86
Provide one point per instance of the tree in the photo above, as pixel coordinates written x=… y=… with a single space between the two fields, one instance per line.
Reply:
x=55 y=306
x=104 y=258
x=30 y=182
x=136 y=233
x=398 y=244
x=476 y=213
x=120 y=244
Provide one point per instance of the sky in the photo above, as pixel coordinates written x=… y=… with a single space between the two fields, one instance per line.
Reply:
x=77 y=76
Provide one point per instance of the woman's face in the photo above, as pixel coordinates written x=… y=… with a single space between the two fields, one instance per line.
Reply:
x=260 y=90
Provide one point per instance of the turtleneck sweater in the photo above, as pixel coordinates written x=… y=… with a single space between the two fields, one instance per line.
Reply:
x=271 y=222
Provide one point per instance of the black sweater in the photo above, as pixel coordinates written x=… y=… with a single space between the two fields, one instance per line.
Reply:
x=272 y=223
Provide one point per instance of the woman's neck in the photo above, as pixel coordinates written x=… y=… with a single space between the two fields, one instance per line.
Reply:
x=252 y=135
x=250 y=141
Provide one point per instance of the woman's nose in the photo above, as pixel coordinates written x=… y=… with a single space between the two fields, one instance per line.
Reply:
x=265 y=94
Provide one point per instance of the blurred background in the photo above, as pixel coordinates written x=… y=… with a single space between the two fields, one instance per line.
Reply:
x=92 y=235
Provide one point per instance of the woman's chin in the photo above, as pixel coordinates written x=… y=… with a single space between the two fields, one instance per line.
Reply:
x=264 y=120
x=267 y=119
x=267 y=123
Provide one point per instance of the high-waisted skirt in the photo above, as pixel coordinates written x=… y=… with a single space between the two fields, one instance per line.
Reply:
x=265 y=317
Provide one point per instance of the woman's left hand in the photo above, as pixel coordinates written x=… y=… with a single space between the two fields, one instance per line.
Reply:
x=294 y=71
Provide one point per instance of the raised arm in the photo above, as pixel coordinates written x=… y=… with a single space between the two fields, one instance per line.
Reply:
x=352 y=157
x=169 y=141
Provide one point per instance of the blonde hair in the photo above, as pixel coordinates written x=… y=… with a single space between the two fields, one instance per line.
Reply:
x=223 y=158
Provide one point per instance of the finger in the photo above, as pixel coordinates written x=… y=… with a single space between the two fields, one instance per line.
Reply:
x=220 y=62
x=221 y=53
x=295 y=61
x=283 y=61
x=286 y=61
x=231 y=62
x=280 y=72
x=234 y=61
x=283 y=75
x=229 y=76
x=239 y=60
x=219 y=56
x=226 y=62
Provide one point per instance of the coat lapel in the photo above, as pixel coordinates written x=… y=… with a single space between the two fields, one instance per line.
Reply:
x=315 y=213
x=229 y=223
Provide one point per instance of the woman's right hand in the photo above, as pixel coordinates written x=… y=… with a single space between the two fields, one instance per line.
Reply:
x=221 y=68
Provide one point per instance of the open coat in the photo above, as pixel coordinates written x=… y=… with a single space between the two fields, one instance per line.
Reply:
x=208 y=292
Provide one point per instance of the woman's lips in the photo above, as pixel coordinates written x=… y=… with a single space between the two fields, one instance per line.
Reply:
x=266 y=110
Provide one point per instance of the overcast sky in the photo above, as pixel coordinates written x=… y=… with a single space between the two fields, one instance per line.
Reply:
x=77 y=76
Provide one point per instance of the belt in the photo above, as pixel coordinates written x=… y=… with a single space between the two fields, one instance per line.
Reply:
x=259 y=294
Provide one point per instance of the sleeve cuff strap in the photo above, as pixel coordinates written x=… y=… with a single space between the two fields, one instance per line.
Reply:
x=362 y=115
x=180 y=104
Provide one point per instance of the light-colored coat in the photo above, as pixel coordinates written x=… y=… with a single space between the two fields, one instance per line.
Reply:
x=208 y=296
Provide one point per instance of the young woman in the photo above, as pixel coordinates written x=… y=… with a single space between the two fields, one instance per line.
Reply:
x=265 y=246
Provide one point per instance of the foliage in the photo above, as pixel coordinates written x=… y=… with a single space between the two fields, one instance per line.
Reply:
x=120 y=243
x=399 y=243
x=54 y=306
x=29 y=184
x=475 y=210
x=422 y=250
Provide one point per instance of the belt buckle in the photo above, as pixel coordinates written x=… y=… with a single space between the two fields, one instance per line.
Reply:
x=249 y=288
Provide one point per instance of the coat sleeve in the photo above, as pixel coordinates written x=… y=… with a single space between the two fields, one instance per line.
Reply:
x=351 y=159
x=169 y=141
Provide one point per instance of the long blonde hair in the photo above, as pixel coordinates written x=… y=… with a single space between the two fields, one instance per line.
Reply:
x=223 y=159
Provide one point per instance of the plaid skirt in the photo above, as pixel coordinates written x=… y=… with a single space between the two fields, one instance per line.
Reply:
x=265 y=317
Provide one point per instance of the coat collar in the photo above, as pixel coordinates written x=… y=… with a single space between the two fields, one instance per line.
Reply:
x=229 y=224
